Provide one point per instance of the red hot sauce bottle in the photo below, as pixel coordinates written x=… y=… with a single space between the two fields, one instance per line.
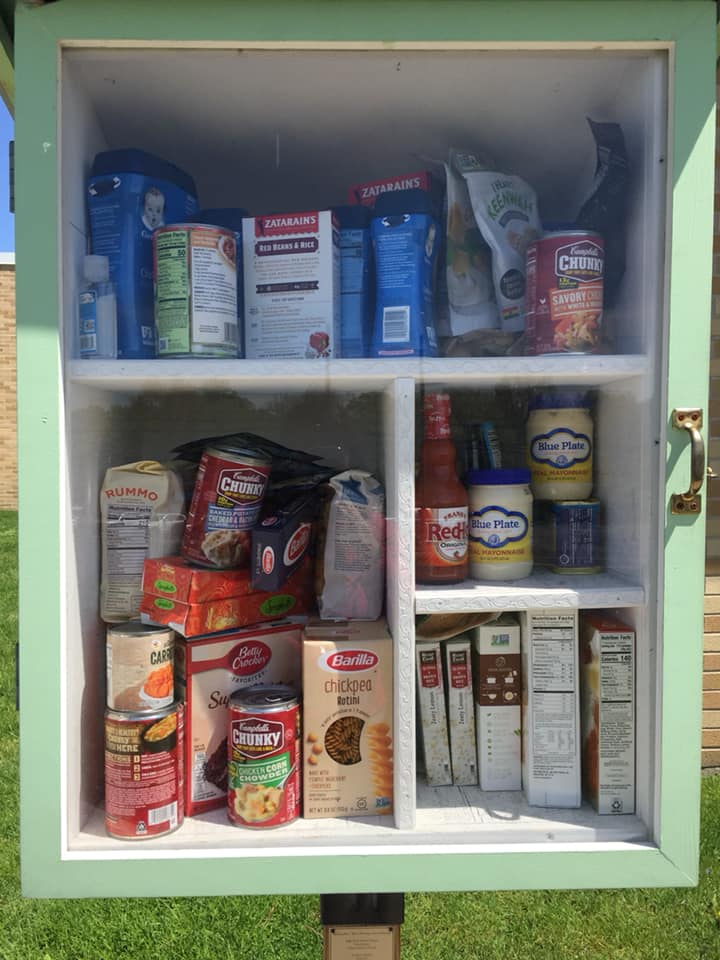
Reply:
x=441 y=501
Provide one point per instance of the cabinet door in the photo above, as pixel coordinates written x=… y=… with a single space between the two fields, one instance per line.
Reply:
x=75 y=421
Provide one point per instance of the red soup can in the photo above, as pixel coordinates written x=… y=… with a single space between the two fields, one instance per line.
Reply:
x=144 y=773
x=263 y=773
x=226 y=501
x=564 y=275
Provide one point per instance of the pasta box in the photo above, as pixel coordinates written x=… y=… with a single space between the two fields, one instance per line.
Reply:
x=280 y=541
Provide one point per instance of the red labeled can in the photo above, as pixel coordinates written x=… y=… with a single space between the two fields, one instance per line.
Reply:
x=144 y=773
x=564 y=275
x=226 y=501
x=263 y=773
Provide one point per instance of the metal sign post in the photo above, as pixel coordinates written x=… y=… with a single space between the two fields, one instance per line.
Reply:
x=362 y=926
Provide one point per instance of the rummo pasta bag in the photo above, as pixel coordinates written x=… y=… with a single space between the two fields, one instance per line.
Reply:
x=134 y=499
x=350 y=572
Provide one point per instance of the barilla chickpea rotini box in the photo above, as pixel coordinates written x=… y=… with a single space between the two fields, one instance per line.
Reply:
x=291 y=266
x=432 y=713
x=208 y=670
x=496 y=668
x=347 y=756
x=607 y=696
x=550 y=708
x=460 y=710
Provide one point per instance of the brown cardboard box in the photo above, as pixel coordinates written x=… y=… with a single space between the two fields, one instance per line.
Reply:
x=347 y=719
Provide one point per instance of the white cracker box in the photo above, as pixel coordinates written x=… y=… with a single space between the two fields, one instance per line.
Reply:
x=208 y=670
x=291 y=265
x=496 y=668
x=607 y=696
x=432 y=715
x=551 y=708
x=347 y=669
x=460 y=710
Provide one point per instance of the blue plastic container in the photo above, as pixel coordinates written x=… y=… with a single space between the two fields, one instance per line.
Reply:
x=129 y=194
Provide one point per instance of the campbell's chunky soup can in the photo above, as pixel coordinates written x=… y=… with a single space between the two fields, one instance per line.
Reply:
x=263 y=741
x=139 y=661
x=144 y=773
x=564 y=273
x=228 y=494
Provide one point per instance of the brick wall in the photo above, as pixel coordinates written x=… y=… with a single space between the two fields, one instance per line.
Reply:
x=8 y=406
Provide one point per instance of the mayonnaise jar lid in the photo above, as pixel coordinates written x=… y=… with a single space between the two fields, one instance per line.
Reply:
x=497 y=478
x=560 y=401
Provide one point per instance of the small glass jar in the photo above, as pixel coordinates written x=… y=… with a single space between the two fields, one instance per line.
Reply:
x=501 y=509
x=559 y=437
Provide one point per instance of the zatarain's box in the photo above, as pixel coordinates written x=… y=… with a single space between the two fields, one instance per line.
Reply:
x=348 y=719
x=291 y=266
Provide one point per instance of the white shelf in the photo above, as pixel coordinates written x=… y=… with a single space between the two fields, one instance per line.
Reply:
x=448 y=817
x=541 y=590
x=177 y=375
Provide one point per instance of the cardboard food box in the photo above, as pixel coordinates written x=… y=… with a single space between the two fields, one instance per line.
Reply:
x=291 y=266
x=496 y=668
x=607 y=694
x=550 y=708
x=432 y=714
x=367 y=193
x=208 y=670
x=460 y=710
x=296 y=598
x=280 y=541
x=178 y=580
x=347 y=671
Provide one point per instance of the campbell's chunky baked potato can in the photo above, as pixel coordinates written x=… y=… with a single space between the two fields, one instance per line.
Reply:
x=228 y=494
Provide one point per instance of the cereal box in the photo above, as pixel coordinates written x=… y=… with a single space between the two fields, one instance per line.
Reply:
x=460 y=710
x=291 y=264
x=550 y=708
x=208 y=671
x=294 y=598
x=432 y=716
x=607 y=694
x=496 y=667
x=347 y=670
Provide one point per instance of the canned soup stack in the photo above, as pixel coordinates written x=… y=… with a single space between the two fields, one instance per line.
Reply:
x=144 y=727
x=560 y=452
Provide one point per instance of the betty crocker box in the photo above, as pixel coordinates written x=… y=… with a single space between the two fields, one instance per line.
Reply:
x=291 y=265
x=208 y=670
x=246 y=607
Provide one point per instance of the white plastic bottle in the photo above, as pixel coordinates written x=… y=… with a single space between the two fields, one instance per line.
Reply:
x=97 y=311
x=560 y=446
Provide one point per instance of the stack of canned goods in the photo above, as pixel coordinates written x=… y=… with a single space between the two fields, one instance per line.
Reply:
x=144 y=730
x=560 y=448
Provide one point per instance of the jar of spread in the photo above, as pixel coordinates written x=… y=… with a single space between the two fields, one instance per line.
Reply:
x=559 y=438
x=501 y=508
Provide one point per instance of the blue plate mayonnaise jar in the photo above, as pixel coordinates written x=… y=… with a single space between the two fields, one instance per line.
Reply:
x=501 y=510
x=560 y=445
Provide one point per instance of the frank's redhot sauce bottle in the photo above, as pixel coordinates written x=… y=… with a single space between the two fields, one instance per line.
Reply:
x=441 y=501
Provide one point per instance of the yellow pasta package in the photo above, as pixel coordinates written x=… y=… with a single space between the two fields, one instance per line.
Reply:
x=347 y=719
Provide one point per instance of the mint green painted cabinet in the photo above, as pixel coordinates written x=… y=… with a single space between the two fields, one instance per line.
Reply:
x=279 y=107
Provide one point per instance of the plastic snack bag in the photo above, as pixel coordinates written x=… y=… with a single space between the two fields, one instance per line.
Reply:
x=506 y=211
x=350 y=572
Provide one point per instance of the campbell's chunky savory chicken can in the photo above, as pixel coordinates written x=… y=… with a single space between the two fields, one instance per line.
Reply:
x=565 y=272
x=228 y=494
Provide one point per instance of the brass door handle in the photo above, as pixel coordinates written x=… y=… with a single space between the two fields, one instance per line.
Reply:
x=690 y=419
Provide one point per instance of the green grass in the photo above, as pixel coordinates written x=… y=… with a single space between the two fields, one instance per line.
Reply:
x=591 y=925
